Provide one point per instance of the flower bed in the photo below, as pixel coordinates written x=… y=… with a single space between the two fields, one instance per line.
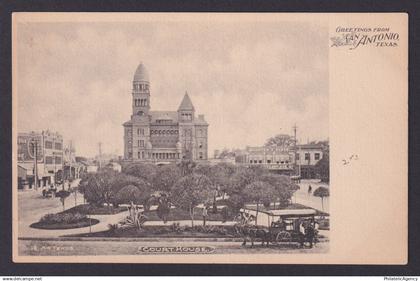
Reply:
x=64 y=221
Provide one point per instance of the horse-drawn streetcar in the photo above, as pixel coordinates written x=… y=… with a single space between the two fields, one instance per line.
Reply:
x=279 y=226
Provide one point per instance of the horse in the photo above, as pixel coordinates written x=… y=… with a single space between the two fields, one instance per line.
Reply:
x=252 y=233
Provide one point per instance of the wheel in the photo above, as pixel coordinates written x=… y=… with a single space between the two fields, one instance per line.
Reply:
x=283 y=236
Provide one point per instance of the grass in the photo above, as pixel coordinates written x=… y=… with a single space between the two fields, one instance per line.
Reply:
x=88 y=209
x=165 y=231
x=82 y=223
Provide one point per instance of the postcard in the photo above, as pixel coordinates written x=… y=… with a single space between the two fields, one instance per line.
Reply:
x=259 y=138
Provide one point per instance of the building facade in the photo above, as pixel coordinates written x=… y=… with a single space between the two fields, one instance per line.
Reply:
x=274 y=158
x=292 y=160
x=47 y=148
x=162 y=136
x=307 y=155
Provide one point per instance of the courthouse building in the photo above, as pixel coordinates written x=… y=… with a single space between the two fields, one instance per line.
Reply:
x=162 y=136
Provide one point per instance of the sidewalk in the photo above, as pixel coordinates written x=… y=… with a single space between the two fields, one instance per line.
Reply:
x=302 y=196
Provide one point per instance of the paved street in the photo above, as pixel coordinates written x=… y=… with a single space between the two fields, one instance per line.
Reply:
x=112 y=247
x=303 y=197
x=32 y=206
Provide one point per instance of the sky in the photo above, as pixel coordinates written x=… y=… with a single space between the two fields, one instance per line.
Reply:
x=251 y=80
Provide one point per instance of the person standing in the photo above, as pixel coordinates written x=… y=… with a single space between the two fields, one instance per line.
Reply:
x=302 y=233
x=310 y=234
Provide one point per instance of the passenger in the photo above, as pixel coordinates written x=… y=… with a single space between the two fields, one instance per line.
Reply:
x=302 y=233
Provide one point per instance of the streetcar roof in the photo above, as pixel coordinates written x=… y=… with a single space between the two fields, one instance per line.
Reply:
x=293 y=212
x=284 y=212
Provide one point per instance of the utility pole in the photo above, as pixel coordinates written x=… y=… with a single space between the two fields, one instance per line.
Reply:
x=296 y=150
x=70 y=158
x=34 y=146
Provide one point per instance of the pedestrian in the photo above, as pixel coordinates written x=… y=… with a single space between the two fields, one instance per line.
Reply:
x=310 y=234
x=309 y=189
x=204 y=215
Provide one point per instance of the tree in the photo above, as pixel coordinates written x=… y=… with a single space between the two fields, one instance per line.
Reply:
x=259 y=192
x=129 y=193
x=121 y=180
x=82 y=185
x=284 y=187
x=187 y=167
x=62 y=194
x=165 y=178
x=98 y=188
x=323 y=167
x=280 y=140
x=190 y=191
x=146 y=172
x=322 y=192
x=220 y=175
x=242 y=177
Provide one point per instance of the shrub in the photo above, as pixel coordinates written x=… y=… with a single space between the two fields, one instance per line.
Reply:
x=136 y=219
x=113 y=227
x=175 y=227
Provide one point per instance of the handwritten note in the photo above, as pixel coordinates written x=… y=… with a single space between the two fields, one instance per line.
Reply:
x=348 y=160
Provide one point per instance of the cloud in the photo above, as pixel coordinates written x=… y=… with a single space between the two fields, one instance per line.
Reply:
x=252 y=80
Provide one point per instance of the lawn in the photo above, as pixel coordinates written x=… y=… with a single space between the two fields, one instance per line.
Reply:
x=166 y=231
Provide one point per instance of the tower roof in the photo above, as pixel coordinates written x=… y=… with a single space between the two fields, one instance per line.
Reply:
x=186 y=103
x=141 y=74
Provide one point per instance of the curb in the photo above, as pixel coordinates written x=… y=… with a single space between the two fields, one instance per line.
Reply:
x=143 y=239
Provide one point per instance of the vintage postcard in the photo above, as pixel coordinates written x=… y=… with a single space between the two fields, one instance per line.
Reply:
x=210 y=138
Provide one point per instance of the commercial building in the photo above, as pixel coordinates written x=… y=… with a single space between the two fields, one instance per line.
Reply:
x=274 y=158
x=40 y=158
x=299 y=160
x=162 y=136
x=307 y=155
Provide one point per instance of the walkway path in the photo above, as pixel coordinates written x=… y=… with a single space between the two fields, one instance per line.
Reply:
x=32 y=206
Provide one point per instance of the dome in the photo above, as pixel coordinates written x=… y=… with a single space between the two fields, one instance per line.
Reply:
x=141 y=74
